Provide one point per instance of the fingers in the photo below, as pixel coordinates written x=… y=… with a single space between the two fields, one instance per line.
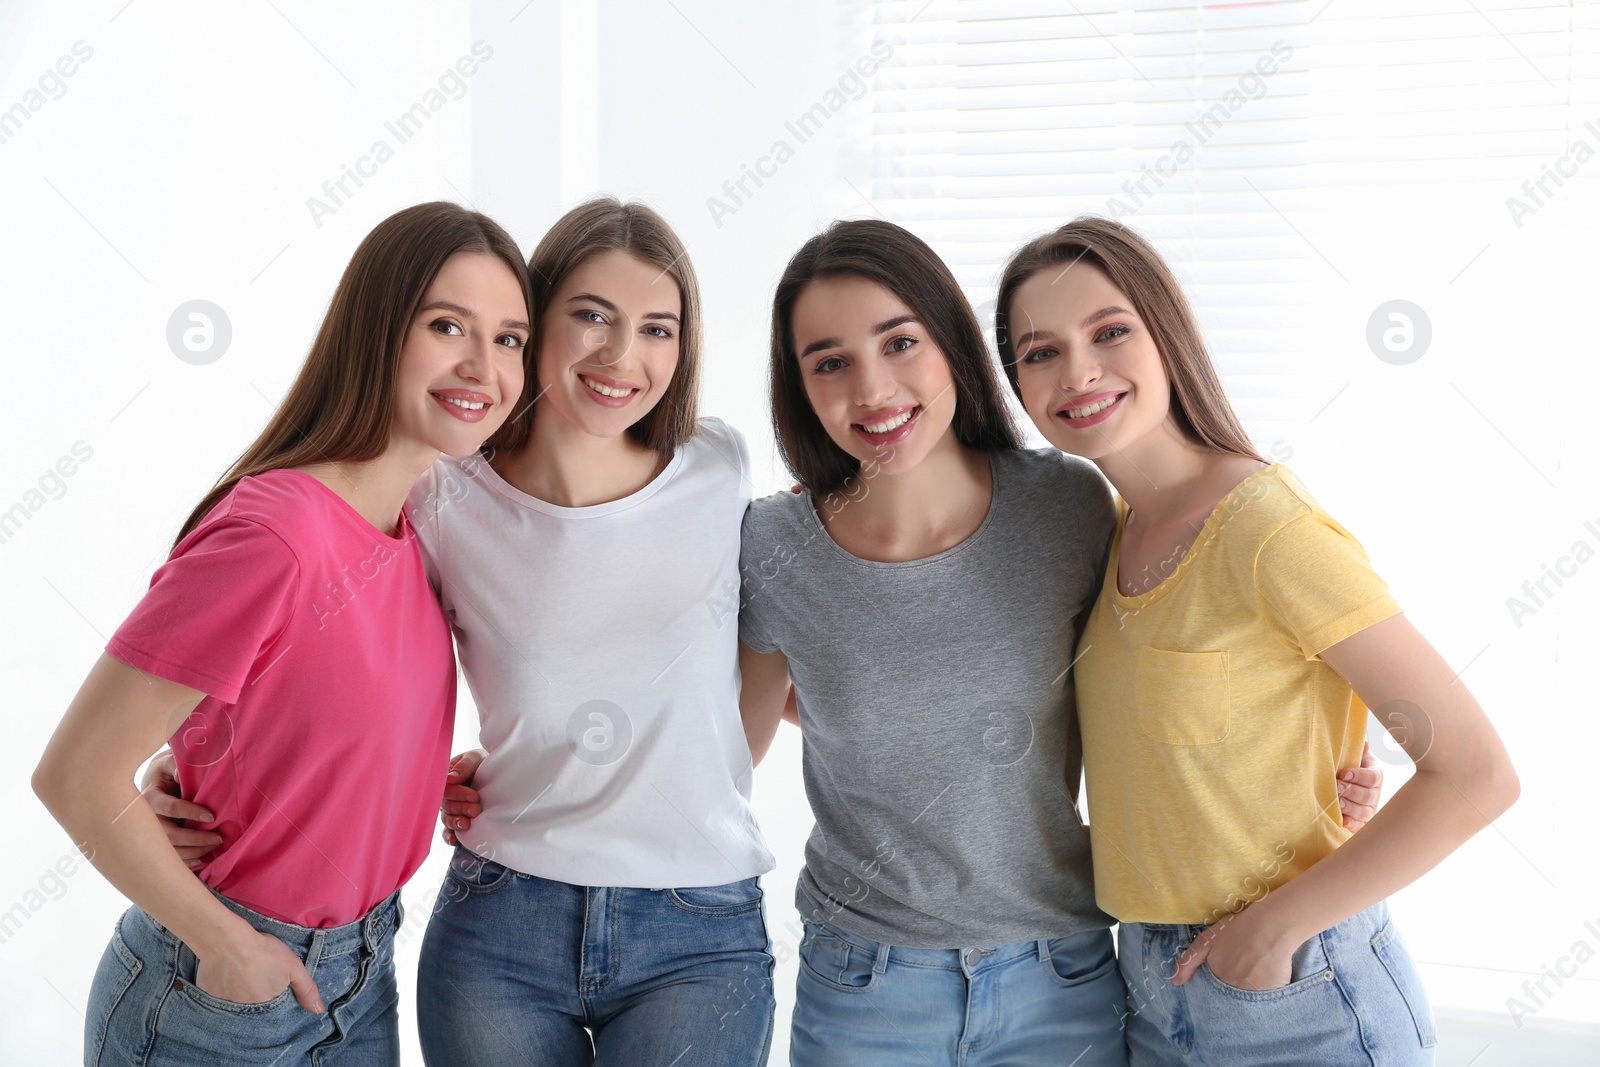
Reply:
x=162 y=772
x=449 y=836
x=458 y=798
x=464 y=765
x=168 y=806
x=305 y=989
x=1366 y=756
x=1190 y=961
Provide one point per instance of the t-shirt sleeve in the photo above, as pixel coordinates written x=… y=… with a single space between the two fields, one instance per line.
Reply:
x=214 y=610
x=757 y=569
x=1318 y=584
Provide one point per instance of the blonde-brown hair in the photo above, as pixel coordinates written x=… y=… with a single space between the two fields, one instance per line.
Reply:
x=606 y=224
x=1199 y=404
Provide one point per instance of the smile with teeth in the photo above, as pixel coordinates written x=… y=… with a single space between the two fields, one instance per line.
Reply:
x=886 y=425
x=606 y=390
x=468 y=404
x=1093 y=409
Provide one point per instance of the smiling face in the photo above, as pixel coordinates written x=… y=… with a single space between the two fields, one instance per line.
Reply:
x=878 y=383
x=609 y=343
x=1088 y=369
x=460 y=367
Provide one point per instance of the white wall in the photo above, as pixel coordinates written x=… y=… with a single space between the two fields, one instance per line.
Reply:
x=178 y=162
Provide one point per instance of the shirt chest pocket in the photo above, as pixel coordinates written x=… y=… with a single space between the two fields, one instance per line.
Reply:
x=1181 y=698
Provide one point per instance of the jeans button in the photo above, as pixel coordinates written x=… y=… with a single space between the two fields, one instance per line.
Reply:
x=974 y=956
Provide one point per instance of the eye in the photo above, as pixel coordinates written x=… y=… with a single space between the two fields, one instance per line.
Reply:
x=658 y=331
x=448 y=327
x=901 y=343
x=511 y=340
x=590 y=315
x=827 y=365
x=1111 y=333
x=1038 y=355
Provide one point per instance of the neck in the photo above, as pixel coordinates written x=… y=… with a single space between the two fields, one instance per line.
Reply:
x=376 y=488
x=565 y=466
x=1159 y=474
x=940 y=493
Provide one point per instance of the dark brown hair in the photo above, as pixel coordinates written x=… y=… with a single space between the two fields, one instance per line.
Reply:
x=902 y=263
x=340 y=407
x=1199 y=405
x=601 y=225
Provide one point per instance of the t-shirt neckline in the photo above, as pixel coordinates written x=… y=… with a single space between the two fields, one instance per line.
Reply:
x=1201 y=540
x=994 y=505
x=494 y=479
x=403 y=526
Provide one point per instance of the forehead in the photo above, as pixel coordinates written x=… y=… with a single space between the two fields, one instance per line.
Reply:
x=1066 y=288
x=622 y=277
x=846 y=304
x=467 y=273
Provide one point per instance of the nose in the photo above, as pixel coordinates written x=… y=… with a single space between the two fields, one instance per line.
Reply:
x=477 y=356
x=609 y=344
x=1078 y=370
x=874 y=384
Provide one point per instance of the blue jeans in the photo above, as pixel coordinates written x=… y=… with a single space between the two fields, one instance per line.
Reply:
x=517 y=969
x=1354 y=998
x=1054 y=1002
x=145 y=1009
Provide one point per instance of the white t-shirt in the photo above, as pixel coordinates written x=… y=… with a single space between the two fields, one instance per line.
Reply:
x=601 y=646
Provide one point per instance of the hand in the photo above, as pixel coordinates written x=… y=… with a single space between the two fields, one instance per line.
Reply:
x=1239 y=954
x=161 y=790
x=1359 y=790
x=461 y=804
x=260 y=969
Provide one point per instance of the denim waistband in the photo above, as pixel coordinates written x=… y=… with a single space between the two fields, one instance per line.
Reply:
x=965 y=958
x=1370 y=919
x=369 y=931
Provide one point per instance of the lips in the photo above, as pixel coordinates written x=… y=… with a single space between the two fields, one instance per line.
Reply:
x=888 y=427
x=608 y=392
x=1090 y=410
x=464 y=404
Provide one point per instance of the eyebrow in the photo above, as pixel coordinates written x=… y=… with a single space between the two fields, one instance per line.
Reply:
x=467 y=313
x=609 y=306
x=1046 y=335
x=833 y=342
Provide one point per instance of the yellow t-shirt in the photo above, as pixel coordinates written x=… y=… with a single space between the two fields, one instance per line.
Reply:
x=1212 y=733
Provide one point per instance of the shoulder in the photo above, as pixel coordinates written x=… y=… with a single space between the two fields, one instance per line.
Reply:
x=1058 y=487
x=1268 y=500
x=719 y=441
x=776 y=518
x=277 y=507
x=448 y=481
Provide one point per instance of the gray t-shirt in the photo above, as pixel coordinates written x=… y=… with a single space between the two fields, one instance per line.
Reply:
x=940 y=757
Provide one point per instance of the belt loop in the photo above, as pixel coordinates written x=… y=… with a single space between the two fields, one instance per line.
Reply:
x=1044 y=950
x=314 y=953
x=880 y=964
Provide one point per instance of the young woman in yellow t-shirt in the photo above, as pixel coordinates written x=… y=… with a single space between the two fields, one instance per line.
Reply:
x=1224 y=676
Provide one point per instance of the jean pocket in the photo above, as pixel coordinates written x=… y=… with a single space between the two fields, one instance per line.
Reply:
x=477 y=875
x=734 y=898
x=1182 y=698
x=1391 y=952
x=830 y=960
x=1076 y=961
x=230 y=1007
x=112 y=980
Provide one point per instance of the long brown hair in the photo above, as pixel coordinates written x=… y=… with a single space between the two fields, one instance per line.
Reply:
x=1199 y=405
x=340 y=407
x=902 y=263
x=606 y=224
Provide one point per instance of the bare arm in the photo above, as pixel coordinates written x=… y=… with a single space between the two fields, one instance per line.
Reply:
x=119 y=717
x=1464 y=781
x=764 y=696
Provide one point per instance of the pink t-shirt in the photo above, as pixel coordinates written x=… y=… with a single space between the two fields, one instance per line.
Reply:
x=324 y=738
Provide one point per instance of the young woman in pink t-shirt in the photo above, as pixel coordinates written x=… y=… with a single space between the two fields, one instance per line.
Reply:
x=293 y=652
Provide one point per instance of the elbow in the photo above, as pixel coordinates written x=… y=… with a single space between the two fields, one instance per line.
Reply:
x=48 y=786
x=1504 y=787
